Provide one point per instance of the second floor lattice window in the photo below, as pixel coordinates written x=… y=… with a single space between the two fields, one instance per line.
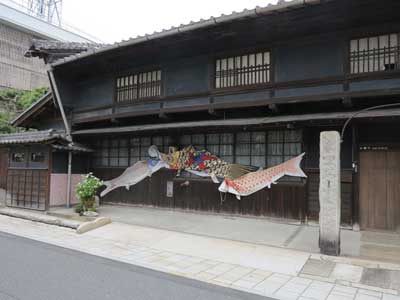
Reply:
x=372 y=54
x=138 y=86
x=242 y=70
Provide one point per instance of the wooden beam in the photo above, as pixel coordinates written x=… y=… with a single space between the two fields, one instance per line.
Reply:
x=334 y=116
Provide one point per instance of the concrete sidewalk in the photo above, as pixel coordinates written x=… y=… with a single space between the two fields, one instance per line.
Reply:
x=271 y=271
x=371 y=245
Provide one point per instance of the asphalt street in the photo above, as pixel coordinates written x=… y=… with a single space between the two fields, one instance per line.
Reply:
x=33 y=270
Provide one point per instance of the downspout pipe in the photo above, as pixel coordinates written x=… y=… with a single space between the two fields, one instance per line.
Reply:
x=361 y=111
x=356 y=225
x=56 y=95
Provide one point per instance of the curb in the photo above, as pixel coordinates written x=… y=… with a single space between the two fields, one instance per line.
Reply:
x=36 y=217
x=56 y=221
x=87 y=226
x=358 y=261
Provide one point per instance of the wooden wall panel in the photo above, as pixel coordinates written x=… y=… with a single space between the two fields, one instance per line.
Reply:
x=393 y=190
x=27 y=188
x=380 y=190
x=3 y=167
x=281 y=201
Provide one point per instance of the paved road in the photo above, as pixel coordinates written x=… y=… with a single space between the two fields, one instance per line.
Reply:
x=37 y=271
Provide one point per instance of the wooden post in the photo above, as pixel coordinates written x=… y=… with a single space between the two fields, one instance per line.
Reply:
x=68 y=205
x=356 y=179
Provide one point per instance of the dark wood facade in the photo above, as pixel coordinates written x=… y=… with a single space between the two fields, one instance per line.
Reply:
x=380 y=189
x=27 y=176
x=329 y=58
x=290 y=199
x=28 y=188
x=3 y=167
x=282 y=201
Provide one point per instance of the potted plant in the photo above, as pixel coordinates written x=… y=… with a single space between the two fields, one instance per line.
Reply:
x=86 y=192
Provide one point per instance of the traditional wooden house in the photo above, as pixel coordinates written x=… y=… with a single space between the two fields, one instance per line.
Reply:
x=256 y=88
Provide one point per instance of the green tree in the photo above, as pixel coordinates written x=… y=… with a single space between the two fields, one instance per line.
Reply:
x=13 y=102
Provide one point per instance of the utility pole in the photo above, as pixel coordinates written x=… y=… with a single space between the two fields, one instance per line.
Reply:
x=48 y=10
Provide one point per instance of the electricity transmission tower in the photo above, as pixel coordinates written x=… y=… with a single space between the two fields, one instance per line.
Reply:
x=48 y=10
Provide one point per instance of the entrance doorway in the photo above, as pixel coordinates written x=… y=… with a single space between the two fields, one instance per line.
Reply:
x=380 y=190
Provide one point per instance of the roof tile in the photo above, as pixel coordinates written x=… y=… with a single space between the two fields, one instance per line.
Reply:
x=280 y=6
x=28 y=137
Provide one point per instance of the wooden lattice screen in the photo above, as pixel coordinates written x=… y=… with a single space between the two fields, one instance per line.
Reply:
x=138 y=86
x=372 y=54
x=27 y=188
x=242 y=70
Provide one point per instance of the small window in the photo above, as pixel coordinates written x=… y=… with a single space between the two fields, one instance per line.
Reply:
x=138 y=86
x=38 y=157
x=251 y=148
x=242 y=70
x=283 y=145
x=372 y=54
x=221 y=145
x=18 y=157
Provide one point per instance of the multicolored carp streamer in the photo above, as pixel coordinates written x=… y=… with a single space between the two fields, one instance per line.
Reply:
x=239 y=180
x=203 y=163
x=255 y=181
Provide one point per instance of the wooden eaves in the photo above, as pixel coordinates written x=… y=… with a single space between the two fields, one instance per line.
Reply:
x=33 y=110
x=242 y=122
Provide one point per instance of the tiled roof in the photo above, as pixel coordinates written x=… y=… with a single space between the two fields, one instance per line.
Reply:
x=29 y=137
x=31 y=109
x=280 y=6
x=52 y=50
x=59 y=46
x=57 y=139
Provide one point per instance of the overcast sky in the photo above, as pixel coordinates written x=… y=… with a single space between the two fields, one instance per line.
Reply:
x=115 y=20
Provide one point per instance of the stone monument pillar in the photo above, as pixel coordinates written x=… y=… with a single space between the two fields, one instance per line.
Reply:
x=329 y=193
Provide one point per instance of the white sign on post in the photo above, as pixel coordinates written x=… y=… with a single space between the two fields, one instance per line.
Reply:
x=170 y=189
